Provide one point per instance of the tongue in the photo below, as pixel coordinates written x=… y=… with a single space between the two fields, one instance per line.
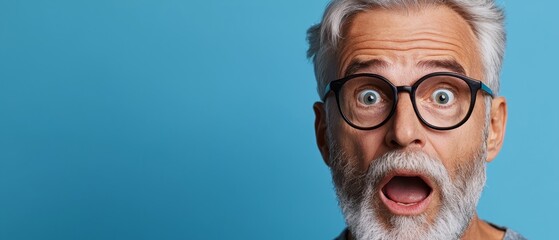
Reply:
x=406 y=190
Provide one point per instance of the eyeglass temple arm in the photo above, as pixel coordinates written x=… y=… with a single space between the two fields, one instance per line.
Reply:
x=326 y=91
x=486 y=89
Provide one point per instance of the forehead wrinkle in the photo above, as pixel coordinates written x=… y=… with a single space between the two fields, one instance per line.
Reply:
x=397 y=44
x=365 y=53
x=357 y=45
x=389 y=34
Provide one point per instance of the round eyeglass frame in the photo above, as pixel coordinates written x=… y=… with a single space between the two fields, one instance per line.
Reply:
x=474 y=85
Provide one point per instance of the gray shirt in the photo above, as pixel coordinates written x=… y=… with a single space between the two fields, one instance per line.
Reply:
x=509 y=234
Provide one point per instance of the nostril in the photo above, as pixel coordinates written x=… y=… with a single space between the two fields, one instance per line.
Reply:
x=394 y=143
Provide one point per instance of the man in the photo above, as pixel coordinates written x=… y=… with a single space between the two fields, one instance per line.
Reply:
x=410 y=114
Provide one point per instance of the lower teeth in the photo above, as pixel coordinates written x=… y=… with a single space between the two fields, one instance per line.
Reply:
x=406 y=204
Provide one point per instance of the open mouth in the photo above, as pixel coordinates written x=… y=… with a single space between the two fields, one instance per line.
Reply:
x=406 y=194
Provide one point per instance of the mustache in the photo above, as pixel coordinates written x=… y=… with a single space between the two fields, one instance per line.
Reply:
x=412 y=161
x=354 y=182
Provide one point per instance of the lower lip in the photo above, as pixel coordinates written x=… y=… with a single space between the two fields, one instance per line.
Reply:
x=406 y=210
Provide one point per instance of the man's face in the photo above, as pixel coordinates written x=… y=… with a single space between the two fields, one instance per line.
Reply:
x=444 y=163
x=402 y=39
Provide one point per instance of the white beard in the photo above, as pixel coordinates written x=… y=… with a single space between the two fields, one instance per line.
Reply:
x=356 y=194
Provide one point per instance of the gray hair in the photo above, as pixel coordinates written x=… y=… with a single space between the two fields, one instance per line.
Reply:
x=484 y=17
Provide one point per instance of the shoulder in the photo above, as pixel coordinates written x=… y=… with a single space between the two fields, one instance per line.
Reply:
x=509 y=233
x=512 y=235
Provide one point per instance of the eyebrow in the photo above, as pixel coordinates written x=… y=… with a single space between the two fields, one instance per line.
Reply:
x=450 y=65
x=356 y=65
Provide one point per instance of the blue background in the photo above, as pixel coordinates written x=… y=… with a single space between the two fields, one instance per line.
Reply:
x=167 y=119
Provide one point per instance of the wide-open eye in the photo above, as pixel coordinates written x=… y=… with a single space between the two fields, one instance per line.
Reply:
x=443 y=97
x=369 y=97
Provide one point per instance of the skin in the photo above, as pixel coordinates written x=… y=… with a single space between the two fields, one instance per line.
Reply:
x=401 y=39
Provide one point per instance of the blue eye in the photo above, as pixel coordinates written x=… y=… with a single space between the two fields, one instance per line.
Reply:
x=369 y=97
x=442 y=96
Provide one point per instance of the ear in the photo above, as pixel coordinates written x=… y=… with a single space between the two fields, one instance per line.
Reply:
x=497 y=127
x=320 y=126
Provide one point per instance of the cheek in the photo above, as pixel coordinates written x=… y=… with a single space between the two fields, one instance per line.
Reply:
x=453 y=149
x=458 y=147
x=364 y=146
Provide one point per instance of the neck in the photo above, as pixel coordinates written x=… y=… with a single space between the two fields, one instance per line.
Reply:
x=479 y=229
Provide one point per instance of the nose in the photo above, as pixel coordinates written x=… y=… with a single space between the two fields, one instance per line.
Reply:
x=405 y=128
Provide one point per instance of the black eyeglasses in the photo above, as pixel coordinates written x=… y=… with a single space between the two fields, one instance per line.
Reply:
x=441 y=100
